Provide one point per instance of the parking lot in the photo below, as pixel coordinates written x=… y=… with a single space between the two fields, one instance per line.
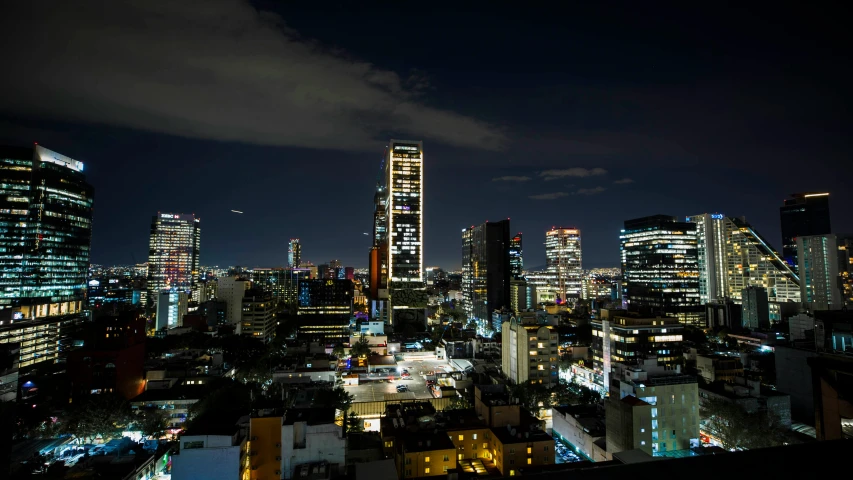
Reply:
x=374 y=387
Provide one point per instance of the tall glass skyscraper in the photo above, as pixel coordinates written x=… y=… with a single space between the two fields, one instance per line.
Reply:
x=173 y=253
x=404 y=207
x=294 y=253
x=486 y=270
x=660 y=267
x=820 y=288
x=733 y=256
x=802 y=214
x=563 y=260
x=46 y=222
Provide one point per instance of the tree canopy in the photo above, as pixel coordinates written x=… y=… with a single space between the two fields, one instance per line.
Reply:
x=734 y=427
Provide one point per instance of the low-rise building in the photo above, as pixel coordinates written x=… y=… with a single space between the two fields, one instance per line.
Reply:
x=311 y=435
x=583 y=427
x=213 y=450
x=718 y=368
x=652 y=408
x=529 y=352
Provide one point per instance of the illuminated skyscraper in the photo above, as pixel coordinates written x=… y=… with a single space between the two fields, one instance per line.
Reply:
x=733 y=256
x=294 y=253
x=46 y=219
x=486 y=269
x=173 y=253
x=660 y=267
x=820 y=288
x=405 y=210
x=516 y=257
x=803 y=214
x=563 y=260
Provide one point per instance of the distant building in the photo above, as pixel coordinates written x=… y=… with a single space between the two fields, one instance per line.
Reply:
x=845 y=267
x=734 y=256
x=173 y=253
x=817 y=258
x=294 y=253
x=325 y=308
x=486 y=269
x=172 y=305
x=660 y=268
x=311 y=436
x=718 y=368
x=756 y=309
x=522 y=295
x=563 y=261
x=258 y=315
x=516 y=256
x=44 y=339
x=232 y=290
x=803 y=214
x=529 y=352
x=10 y=354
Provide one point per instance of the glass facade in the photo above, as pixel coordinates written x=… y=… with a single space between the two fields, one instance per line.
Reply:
x=294 y=253
x=486 y=269
x=405 y=211
x=173 y=253
x=802 y=214
x=563 y=260
x=516 y=257
x=818 y=259
x=46 y=226
x=660 y=267
x=733 y=256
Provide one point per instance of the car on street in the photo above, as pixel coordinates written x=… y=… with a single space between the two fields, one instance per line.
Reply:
x=402 y=388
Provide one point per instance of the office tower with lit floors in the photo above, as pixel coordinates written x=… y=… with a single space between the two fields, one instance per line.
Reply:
x=820 y=286
x=486 y=269
x=404 y=207
x=173 y=268
x=802 y=214
x=733 y=256
x=294 y=253
x=563 y=261
x=46 y=218
x=660 y=268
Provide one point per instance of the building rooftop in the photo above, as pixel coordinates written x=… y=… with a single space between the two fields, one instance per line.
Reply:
x=314 y=416
x=522 y=435
x=634 y=401
x=213 y=425
x=426 y=441
x=178 y=392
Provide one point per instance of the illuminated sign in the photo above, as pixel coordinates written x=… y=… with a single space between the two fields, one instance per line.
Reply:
x=50 y=156
x=717 y=216
x=168 y=215
x=406 y=148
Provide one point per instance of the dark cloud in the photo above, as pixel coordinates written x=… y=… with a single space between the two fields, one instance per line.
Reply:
x=548 y=196
x=555 y=174
x=212 y=69
x=511 y=178
x=590 y=191
x=623 y=181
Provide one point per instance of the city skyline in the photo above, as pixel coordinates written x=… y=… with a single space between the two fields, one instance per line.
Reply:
x=588 y=144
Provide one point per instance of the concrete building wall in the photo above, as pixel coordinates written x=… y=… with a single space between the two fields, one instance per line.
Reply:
x=796 y=381
x=303 y=443
x=219 y=460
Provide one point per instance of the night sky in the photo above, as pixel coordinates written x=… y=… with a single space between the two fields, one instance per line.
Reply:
x=548 y=115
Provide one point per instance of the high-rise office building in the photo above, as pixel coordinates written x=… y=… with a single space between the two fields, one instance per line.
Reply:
x=732 y=256
x=173 y=253
x=845 y=267
x=563 y=261
x=802 y=214
x=660 y=267
x=325 y=309
x=755 y=311
x=516 y=257
x=378 y=261
x=294 y=253
x=486 y=270
x=46 y=217
x=817 y=256
x=404 y=209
